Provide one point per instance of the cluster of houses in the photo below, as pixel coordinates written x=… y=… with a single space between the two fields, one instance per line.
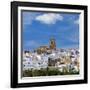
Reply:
x=51 y=57
x=57 y=58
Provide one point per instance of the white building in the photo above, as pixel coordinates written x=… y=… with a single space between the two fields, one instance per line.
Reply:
x=38 y=61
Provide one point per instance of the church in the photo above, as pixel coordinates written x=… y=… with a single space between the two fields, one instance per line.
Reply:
x=46 y=49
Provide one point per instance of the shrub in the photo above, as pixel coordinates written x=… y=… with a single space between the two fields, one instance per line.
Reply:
x=47 y=72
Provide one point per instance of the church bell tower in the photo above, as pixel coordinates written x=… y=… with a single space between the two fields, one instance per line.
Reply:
x=52 y=44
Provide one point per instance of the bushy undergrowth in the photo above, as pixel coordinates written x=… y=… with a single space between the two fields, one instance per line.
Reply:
x=47 y=72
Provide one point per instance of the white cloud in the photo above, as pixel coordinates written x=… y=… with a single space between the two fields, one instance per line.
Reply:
x=74 y=37
x=77 y=21
x=28 y=17
x=49 y=18
x=31 y=43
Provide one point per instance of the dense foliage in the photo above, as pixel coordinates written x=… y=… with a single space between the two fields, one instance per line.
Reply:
x=47 y=72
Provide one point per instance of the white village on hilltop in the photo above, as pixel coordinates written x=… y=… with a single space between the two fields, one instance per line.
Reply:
x=52 y=57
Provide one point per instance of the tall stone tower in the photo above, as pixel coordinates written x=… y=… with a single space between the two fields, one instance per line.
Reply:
x=52 y=44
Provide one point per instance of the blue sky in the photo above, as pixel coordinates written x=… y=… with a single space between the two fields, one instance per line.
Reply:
x=39 y=27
